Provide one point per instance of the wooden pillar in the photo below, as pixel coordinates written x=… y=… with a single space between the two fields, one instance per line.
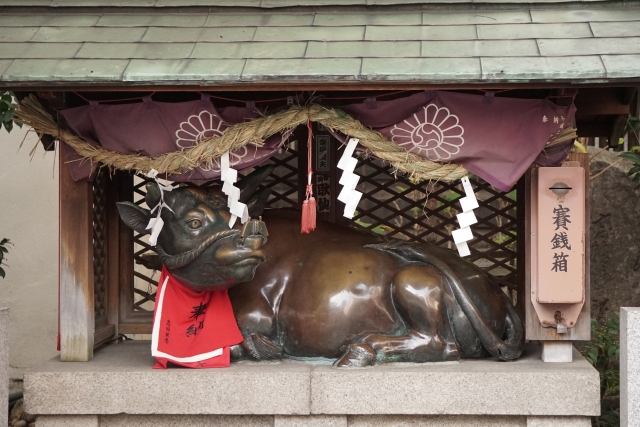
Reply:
x=522 y=250
x=77 y=318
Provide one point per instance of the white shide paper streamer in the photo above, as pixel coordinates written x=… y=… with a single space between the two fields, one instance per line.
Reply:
x=229 y=177
x=156 y=224
x=465 y=219
x=349 y=196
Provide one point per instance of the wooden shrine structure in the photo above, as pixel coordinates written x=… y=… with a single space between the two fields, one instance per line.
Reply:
x=261 y=52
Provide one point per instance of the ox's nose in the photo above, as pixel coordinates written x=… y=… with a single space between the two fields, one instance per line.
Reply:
x=254 y=233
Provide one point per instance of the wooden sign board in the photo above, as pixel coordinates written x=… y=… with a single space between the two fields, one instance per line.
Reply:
x=542 y=319
x=560 y=225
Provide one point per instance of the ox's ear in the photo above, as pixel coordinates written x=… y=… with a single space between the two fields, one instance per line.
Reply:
x=134 y=216
x=250 y=183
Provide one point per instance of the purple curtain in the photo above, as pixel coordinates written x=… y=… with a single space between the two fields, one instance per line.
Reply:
x=494 y=138
x=153 y=128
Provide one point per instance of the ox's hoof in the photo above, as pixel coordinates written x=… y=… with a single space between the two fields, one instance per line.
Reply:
x=358 y=356
x=237 y=353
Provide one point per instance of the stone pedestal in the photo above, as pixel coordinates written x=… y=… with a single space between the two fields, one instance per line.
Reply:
x=118 y=388
x=557 y=351
x=308 y=421
x=4 y=365
x=630 y=367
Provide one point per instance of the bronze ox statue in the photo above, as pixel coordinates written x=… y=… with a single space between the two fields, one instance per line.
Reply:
x=335 y=293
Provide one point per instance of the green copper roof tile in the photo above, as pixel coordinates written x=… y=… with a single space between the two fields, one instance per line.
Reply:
x=603 y=46
x=184 y=69
x=615 y=29
x=302 y=69
x=454 y=32
x=363 y=49
x=475 y=17
x=250 y=50
x=25 y=2
x=152 y=20
x=65 y=69
x=585 y=15
x=621 y=66
x=176 y=35
x=136 y=50
x=39 y=50
x=290 y=3
x=479 y=48
x=259 y=20
x=89 y=34
x=92 y=3
x=414 y=41
x=528 y=68
x=349 y=19
x=38 y=20
x=407 y=69
x=308 y=33
x=534 y=31
x=4 y=64
x=20 y=34
x=234 y=3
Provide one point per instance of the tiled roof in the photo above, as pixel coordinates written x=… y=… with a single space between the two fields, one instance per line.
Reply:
x=455 y=44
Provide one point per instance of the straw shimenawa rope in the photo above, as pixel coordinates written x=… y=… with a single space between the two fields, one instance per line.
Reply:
x=30 y=112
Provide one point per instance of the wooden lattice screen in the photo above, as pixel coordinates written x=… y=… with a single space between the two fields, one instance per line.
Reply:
x=391 y=206
x=426 y=212
x=100 y=248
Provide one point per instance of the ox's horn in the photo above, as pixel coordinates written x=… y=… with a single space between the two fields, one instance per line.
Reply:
x=153 y=194
x=250 y=183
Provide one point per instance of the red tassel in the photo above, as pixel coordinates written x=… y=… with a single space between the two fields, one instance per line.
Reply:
x=308 y=213
x=309 y=205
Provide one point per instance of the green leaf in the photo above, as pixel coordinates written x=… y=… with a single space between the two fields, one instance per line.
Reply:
x=633 y=156
x=612 y=351
x=8 y=125
x=4 y=241
x=3 y=249
x=2 y=272
x=633 y=170
x=593 y=354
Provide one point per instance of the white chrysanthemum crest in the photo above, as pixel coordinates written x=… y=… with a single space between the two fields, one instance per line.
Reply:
x=433 y=133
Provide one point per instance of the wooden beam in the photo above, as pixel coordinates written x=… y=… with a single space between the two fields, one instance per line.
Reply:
x=77 y=317
x=602 y=101
x=591 y=129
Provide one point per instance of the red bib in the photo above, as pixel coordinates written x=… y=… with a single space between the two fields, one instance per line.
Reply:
x=192 y=329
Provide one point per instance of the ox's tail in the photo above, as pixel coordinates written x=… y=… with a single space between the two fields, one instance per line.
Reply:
x=507 y=347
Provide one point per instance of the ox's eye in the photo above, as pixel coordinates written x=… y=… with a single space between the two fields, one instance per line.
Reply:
x=194 y=224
